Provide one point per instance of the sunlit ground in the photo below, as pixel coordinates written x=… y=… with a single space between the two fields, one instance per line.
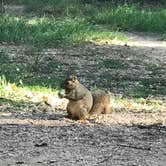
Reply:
x=137 y=40
x=26 y=99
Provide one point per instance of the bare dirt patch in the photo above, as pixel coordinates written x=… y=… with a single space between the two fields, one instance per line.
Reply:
x=51 y=138
x=73 y=143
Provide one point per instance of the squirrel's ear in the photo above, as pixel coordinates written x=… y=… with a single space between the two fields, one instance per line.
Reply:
x=73 y=77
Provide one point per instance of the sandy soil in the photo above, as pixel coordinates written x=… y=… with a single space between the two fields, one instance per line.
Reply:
x=50 y=138
x=44 y=142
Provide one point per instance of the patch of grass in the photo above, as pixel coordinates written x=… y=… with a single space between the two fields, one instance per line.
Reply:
x=129 y=17
x=7 y=88
x=3 y=85
x=41 y=32
x=73 y=21
x=14 y=96
x=137 y=104
x=45 y=32
x=11 y=104
x=30 y=67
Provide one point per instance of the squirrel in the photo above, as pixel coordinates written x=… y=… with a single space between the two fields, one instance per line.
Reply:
x=82 y=103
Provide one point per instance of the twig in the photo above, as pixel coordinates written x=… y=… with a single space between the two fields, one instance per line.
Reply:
x=135 y=147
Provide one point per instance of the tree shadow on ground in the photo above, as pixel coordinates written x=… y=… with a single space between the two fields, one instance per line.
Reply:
x=129 y=70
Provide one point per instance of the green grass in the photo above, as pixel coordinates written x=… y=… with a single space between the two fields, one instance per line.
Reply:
x=43 y=32
x=13 y=96
x=128 y=17
x=29 y=67
x=3 y=85
x=71 y=21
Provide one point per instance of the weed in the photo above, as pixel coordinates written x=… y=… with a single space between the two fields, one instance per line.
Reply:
x=3 y=85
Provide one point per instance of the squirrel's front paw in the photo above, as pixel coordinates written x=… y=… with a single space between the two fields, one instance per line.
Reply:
x=62 y=93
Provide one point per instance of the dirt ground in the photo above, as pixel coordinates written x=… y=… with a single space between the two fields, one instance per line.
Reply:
x=52 y=139
x=118 y=139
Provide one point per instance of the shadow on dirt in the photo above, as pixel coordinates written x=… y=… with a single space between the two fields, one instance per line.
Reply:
x=132 y=71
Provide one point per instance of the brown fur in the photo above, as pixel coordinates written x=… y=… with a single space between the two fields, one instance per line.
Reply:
x=101 y=102
x=82 y=102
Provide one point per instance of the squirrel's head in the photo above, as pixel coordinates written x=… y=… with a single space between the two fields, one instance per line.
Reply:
x=70 y=82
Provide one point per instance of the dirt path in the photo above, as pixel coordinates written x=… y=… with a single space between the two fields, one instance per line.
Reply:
x=80 y=144
x=150 y=45
x=41 y=139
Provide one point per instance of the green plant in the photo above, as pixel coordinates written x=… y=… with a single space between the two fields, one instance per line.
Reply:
x=71 y=21
x=3 y=86
x=129 y=17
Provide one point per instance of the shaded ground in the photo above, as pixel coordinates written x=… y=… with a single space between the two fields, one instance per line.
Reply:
x=128 y=69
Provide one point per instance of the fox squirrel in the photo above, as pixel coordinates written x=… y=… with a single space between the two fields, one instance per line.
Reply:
x=83 y=103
